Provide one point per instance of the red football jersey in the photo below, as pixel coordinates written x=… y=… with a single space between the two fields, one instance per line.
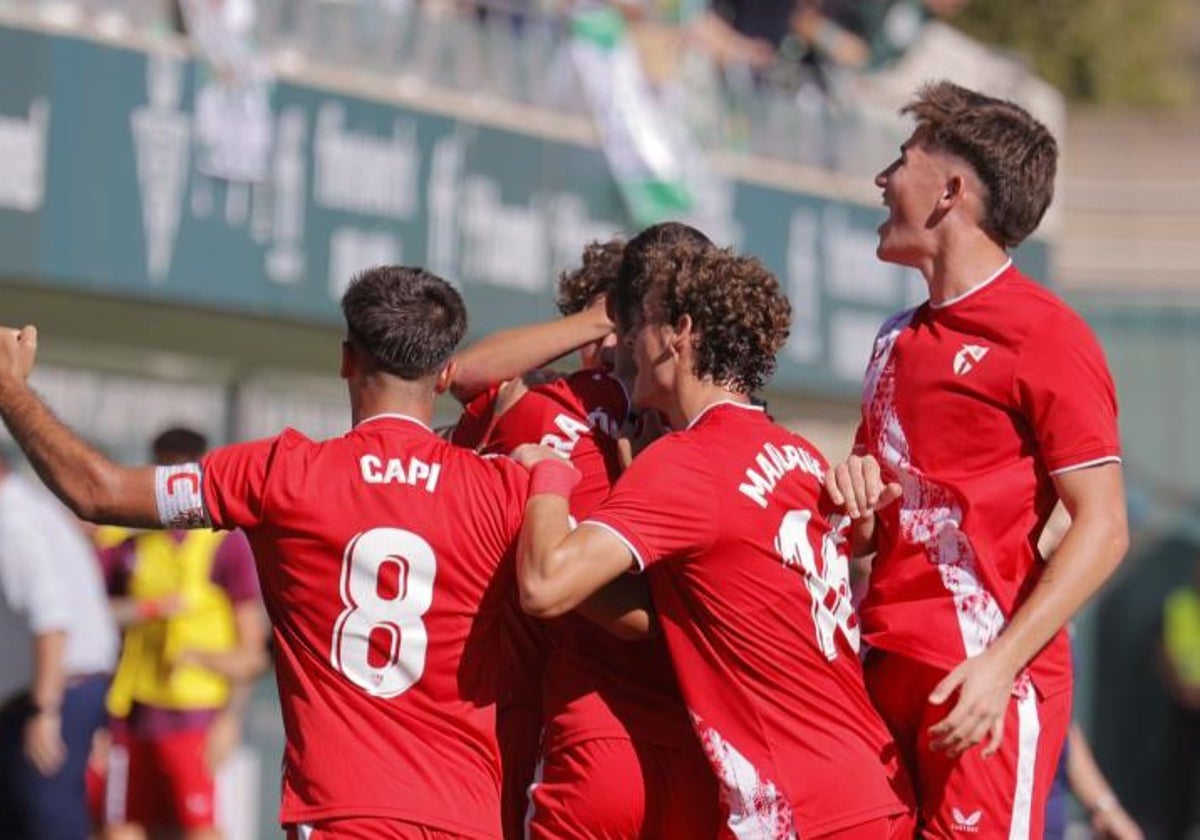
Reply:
x=378 y=554
x=595 y=685
x=750 y=580
x=972 y=406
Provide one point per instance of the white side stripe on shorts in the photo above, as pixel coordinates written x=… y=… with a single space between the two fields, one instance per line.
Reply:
x=538 y=774
x=1028 y=730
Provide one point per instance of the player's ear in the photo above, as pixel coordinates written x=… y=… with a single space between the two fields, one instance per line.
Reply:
x=445 y=377
x=349 y=360
x=955 y=188
x=683 y=332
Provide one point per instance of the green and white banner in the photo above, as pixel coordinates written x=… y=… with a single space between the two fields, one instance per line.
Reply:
x=647 y=154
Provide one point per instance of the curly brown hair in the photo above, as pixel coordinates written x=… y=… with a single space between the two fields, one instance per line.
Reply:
x=595 y=276
x=1014 y=155
x=626 y=299
x=740 y=314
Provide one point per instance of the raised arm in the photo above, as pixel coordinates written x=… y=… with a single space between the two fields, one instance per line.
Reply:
x=507 y=354
x=91 y=485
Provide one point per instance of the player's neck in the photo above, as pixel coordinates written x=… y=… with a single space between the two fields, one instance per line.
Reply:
x=697 y=396
x=412 y=399
x=955 y=272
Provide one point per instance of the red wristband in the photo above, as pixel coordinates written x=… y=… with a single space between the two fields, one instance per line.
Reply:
x=554 y=477
x=148 y=610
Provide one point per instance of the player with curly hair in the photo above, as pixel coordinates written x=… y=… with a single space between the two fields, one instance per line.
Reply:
x=616 y=758
x=747 y=572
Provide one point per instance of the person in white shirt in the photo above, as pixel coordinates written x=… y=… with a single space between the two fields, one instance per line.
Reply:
x=58 y=645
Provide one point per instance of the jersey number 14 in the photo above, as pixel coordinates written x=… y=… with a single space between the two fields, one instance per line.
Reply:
x=826 y=576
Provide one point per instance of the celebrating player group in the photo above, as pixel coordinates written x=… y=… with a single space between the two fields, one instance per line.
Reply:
x=618 y=603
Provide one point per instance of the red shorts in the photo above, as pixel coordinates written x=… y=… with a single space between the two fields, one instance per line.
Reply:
x=615 y=789
x=519 y=731
x=1004 y=795
x=365 y=828
x=897 y=827
x=162 y=781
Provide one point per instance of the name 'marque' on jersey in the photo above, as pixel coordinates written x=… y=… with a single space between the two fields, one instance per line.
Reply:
x=750 y=579
x=384 y=557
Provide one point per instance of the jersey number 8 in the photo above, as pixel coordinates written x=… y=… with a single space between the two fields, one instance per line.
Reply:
x=379 y=640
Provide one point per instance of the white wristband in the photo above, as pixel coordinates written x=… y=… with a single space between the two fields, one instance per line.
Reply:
x=178 y=491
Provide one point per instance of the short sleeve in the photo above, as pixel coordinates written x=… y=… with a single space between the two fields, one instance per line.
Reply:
x=235 y=479
x=32 y=582
x=1065 y=391
x=664 y=506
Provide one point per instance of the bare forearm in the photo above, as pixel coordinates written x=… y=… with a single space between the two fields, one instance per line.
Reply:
x=49 y=670
x=1088 y=555
x=1083 y=774
x=237 y=665
x=68 y=466
x=540 y=567
x=90 y=484
x=623 y=608
x=248 y=660
x=509 y=353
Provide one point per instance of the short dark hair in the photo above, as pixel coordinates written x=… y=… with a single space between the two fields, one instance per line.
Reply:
x=626 y=297
x=596 y=275
x=179 y=444
x=406 y=320
x=739 y=312
x=1014 y=155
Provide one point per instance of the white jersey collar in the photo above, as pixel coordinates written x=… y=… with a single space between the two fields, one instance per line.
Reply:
x=711 y=406
x=958 y=298
x=391 y=416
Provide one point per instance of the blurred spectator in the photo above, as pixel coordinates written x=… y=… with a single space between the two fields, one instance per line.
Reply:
x=194 y=641
x=866 y=34
x=1107 y=817
x=1080 y=775
x=1180 y=659
x=57 y=648
x=748 y=32
x=1078 y=772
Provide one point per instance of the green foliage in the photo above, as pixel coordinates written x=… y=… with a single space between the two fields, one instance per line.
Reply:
x=1130 y=52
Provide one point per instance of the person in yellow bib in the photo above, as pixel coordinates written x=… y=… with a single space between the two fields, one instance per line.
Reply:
x=1180 y=659
x=194 y=641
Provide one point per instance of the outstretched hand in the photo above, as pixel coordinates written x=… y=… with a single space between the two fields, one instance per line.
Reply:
x=18 y=350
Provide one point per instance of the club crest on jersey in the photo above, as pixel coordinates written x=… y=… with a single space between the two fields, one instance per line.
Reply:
x=968 y=823
x=966 y=358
